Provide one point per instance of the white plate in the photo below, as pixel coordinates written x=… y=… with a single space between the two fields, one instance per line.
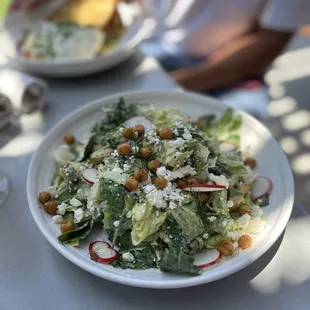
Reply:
x=271 y=162
x=137 y=29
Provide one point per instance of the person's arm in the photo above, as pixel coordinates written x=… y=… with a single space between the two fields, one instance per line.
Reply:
x=25 y=5
x=244 y=57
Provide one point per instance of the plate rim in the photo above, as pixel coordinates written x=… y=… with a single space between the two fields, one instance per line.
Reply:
x=160 y=284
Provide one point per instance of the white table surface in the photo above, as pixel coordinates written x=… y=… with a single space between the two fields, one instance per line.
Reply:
x=34 y=276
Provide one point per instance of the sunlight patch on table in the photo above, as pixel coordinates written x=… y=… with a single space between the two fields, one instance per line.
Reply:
x=301 y=164
x=297 y=120
x=281 y=106
x=305 y=137
x=289 y=145
x=276 y=91
x=21 y=145
x=292 y=268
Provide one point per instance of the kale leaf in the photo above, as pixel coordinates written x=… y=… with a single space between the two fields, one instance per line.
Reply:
x=177 y=261
x=78 y=233
x=145 y=258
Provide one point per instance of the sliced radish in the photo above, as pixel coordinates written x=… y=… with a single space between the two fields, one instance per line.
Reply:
x=207 y=258
x=147 y=124
x=204 y=187
x=101 y=252
x=89 y=175
x=261 y=186
x=226 y=146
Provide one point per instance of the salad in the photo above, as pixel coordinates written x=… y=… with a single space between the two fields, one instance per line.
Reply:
x=166 y=192
x=66 y=40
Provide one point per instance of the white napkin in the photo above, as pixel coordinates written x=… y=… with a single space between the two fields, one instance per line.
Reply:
x=19 y=94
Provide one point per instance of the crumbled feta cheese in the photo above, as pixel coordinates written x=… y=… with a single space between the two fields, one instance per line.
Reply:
x=121 y=129
x=75 y=202
x=79 y=191
x=161 y=198
x=116 y=224
x=128 y=257
x=176 y=132
x=178 y=143
x=182 y=172
x=235 y=235
x=230 y=203
x=135 y=149
x=172 y=205
x=243 y=221
x=115 y=153
x=151 y=137
x=78 y=215
x=187 y=135
x=205 y=236
x=163 y=172
x=126 y=167
x=219 y=180
x=62 y=208
x=212 y=218
x=57 y=219
x=129 y=214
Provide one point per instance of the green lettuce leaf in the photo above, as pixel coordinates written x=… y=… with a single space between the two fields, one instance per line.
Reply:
x=188 y=220
x=146 y=220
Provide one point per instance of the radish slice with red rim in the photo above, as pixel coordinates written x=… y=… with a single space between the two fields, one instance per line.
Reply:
x=262 y=186
x=204 y=187
x=147 y=124
x=207 y=258
x=226 y=146
x=101 y=252
x=89 y=175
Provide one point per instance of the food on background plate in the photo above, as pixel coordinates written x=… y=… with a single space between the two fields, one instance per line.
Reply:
x=82 y=29
x=168 y=192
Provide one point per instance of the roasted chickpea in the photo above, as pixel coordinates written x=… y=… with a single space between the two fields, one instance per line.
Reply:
x=160 y=183
x=45 y=197
x=131 y=183
x=128 y=132
x=245 y=188
x=193 y=180
x=69 y=138
x=146 y=152
x=245 y=209
x=166 y=133
x=124 y=149
x=140 y=175
x=66 y=226
x=181 y=182
x=139 y=129
x=251 y=162
x=244 y=241
x=123 y=139
x=153 y=165
x=50 y=207
x=226 y=247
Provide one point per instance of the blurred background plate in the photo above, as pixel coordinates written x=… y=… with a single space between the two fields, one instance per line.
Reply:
x=271 y=163
x=12 y=29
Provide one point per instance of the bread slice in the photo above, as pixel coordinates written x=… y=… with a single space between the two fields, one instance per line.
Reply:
x=96 y=13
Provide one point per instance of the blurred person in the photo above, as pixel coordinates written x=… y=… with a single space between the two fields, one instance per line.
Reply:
x=210 y=45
